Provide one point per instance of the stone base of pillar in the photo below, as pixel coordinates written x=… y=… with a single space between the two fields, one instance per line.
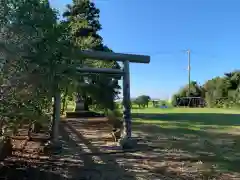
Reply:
x=54 y=147
x=127 y=143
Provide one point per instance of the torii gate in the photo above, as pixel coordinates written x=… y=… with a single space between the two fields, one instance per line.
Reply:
x=98 y=55
x=107 y=56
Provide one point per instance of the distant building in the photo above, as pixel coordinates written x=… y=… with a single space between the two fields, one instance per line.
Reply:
x=155 y=102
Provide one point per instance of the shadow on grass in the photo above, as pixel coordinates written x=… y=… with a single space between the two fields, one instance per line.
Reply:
x=183 y=143
x=200 y=118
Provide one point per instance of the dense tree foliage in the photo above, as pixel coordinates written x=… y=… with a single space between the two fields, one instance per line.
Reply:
x=196 y=90
x=82 y=19
x=39 y=57
x=28 y=33
x=223 y=91
x=218 y=92
x=142 y=101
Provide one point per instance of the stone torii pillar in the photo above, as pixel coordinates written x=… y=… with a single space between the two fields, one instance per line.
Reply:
x=127 y=100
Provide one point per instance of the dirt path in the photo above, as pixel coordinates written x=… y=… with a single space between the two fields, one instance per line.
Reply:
x=85 y=155
x=89 y=154
x=84 y=148
x=93 y=148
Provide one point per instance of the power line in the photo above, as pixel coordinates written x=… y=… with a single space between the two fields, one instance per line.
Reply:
x=100 y=1
x=158 y=53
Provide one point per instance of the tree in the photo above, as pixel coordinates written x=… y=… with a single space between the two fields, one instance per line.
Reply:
x=82 y=18
x=196 y=90
x=40 y=62
x=223 y=91
x=142 y=101
x=42 y=59
x=219 y=92
x=27 y=31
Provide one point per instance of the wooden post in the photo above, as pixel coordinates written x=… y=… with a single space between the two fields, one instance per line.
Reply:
x=126 y=101
x=57 y=106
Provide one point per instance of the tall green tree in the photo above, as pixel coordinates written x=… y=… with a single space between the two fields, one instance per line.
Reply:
x=38 y=65
x=42 y=58
x=82 y=18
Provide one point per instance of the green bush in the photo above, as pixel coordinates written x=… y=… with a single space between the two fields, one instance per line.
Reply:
x=114 y=118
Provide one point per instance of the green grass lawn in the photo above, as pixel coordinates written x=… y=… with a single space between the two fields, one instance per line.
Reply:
x=192 y=118
x=185 y=110
x=203 y=134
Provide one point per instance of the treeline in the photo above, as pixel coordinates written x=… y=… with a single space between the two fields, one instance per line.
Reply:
x=143 y=101
x=220 y=92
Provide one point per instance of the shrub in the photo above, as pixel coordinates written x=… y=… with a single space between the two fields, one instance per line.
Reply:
x=114 y=118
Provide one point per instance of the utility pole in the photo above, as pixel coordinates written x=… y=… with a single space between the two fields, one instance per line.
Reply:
x=189 y=71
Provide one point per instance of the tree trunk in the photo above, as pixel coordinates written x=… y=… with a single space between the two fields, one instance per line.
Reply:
x=2 y=126
x=64 y=102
